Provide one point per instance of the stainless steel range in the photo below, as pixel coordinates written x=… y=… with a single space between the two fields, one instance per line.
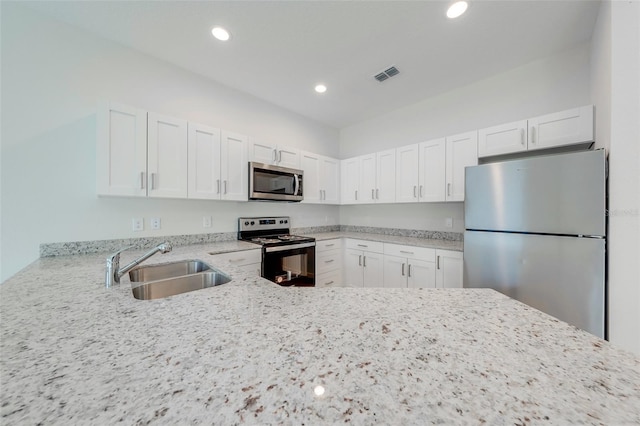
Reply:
x=288 y=260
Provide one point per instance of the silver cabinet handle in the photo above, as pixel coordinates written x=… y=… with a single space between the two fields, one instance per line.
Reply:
x=280 y=156
x=360 y=260
x=327 y=283
x=218 y=185
x=438 y=262
x=356 y=195
x=415 y=188
x=330 y=245
x=421 y=192
x=364 y=261
x=320 y=190
x=373 y=196
x=225 y=186
x=142 y=180
x=329 y=261
x=403 y=269
x=275 y=156
x=362 y=245
x=533 y=134
x=406 y=252
x=409 y=274
x=153 y=180
x=522 y=137
x=377 y=194
x=449 y=189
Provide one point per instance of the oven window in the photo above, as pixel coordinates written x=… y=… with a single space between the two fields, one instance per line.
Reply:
x=290 y=267
x=272 y=182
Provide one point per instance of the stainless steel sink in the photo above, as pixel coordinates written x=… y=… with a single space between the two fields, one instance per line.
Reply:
x=167 y=270
x=169 y=279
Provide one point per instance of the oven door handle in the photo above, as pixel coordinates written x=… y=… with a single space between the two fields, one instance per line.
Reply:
x=288 y=247
x=295 y=191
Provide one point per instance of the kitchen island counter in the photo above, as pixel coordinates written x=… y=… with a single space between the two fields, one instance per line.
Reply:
x=73 y=352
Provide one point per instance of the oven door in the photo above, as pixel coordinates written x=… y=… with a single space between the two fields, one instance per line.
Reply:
x=290 y=265
x=267 y=182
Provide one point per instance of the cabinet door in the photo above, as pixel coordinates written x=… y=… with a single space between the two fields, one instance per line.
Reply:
x=386 y=176
x=350 y=181
x=288 y=157
x=462 y=151
x=367 y=186
x=167 y=156
x=373 y=267
x=234 y=166
x=204 y=162
x=421 y=274
x=502 y=139
x=449 y=269
x=329 y=279
x=310 y=165
x=121 y=150
x=330 y=180
x=353 y=268
x=432 y=185
x=561 y=128
x=407 y=176
x=262 y=152
x=395 y=271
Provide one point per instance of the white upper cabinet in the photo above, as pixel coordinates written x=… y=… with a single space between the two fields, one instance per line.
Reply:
x=386 y=176
x=367 y=186
x=407 y=174
x=121 y=150
x=321 y=178
x=350 y=180
x=204 y=162
x=234 y=166
x=166 y=156
x=568 y=127
x=561 y=128
x=264 y=152
x=432 y=181
x=502 y=139
x=462 y=151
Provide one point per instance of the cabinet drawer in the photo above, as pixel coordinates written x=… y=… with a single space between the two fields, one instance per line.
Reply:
x=410 y=252
x=329 y=279
x=328 y=261
x=239 y=258
x=328 y=244
x=363 y=245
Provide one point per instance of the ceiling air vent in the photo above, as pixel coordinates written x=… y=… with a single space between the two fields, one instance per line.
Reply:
x=384 y=75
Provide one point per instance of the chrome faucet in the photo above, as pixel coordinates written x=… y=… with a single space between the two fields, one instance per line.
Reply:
x=114 y=272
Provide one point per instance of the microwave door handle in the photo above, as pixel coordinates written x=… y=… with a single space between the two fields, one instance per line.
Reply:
x=295 y=191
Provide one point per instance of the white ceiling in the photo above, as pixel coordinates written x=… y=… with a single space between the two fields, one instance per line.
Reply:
x=280 y=49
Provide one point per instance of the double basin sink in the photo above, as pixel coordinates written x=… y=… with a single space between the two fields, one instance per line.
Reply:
x=169 y=279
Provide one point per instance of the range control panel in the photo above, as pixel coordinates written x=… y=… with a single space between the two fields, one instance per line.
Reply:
x=262 y=223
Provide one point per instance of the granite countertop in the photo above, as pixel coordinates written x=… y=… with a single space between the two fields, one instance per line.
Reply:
x=394 y=239
x=73 y=352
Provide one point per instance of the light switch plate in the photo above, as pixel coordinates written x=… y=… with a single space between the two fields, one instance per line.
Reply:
x=448 y=222
x=206 y=221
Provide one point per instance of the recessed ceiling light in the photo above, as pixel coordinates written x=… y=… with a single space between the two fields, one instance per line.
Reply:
x=457 y=9
x=220 y=33
x=321 y=88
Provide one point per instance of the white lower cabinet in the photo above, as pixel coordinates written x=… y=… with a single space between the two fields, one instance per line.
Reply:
x=246 y=260
x=407 y=266
x=363 y=263
x=448 y=269
x=329 y=263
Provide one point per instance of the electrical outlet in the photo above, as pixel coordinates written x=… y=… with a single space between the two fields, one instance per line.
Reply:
x=206 y=221
x=138 y=224
x=155 y=223
x=448 y=222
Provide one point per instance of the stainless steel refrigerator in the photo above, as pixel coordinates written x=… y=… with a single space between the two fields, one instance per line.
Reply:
x=535 y=231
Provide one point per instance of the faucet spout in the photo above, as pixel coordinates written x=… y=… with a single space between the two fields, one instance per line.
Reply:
x=114 y=272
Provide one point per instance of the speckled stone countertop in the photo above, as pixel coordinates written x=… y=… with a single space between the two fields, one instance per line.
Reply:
x=394 y=239
x=73 y=352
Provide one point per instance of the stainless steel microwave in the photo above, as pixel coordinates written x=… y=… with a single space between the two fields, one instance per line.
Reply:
x=274 y=183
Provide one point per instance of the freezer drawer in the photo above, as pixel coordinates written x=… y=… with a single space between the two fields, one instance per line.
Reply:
x=561 y=276
x=553 y=194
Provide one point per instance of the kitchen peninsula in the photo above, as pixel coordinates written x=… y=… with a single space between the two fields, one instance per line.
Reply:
x=252 y=352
